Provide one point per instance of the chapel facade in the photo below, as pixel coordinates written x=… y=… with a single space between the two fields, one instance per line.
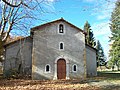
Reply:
x=55 y=50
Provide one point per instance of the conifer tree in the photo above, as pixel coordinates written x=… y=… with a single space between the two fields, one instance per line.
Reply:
x=115 y=29
x=100 y=56
x=90 y=40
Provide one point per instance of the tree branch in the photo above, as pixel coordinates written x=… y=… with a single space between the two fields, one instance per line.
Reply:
x=12 y=5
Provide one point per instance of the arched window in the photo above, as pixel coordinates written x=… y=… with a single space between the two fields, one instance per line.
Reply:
x=47 y=68
x=74 y=68
x=61 y=46
x=61 y=28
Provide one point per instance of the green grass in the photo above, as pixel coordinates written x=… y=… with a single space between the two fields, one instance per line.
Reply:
x=109 y=75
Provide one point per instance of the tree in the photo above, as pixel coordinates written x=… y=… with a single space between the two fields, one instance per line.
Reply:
x=100 y=56
x=115 y=29
x=1 y=50
x=17 y=16
x=14 y=4
x=90 y=40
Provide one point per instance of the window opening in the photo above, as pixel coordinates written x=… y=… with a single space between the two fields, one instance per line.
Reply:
x=61 y=46
x=61 y=28
x=47 y=68
x=74 y=68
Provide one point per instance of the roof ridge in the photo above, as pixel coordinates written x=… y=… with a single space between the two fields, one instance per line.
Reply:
x=37 y=27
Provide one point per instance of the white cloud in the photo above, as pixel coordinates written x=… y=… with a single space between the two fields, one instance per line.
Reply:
x=100 y=9
x=50 y=0
x=45 y=0
x=102 y=32
x=106 y=11
x=89 y=0
x=101 y=28
x=49 y=5
x=104 y=14
x=103 y=8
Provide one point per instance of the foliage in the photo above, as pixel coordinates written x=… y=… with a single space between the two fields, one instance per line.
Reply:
x=115 y=39
x=90 y=40
x=101 y=60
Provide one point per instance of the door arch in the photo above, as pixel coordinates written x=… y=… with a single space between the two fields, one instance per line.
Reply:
x=61 y=69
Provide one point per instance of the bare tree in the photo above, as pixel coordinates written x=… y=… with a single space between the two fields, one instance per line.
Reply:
x=11 y=4
x=17 y=16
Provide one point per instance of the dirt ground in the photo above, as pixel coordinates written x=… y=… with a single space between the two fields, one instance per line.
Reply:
x=44 y=85
x=104 y=81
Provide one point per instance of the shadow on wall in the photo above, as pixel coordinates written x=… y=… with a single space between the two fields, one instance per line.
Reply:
x=15 y=73
x=38 y=76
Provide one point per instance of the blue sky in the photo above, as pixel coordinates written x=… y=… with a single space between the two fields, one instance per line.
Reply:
x=77 y=12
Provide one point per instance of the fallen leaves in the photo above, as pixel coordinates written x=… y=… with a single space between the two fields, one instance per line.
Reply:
x=44 y=85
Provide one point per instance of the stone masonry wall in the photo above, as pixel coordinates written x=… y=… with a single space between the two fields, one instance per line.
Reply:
x=46 y=51
x=91 y=61
x=18 y=53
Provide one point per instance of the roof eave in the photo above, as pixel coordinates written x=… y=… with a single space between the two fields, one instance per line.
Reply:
x=37 y=27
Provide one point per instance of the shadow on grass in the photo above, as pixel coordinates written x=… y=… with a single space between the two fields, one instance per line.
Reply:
x=109 y=75
x=101 y=76
x=111 y=87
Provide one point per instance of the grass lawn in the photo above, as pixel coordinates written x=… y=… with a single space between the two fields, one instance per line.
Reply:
x=110 y=75
x=106 y=80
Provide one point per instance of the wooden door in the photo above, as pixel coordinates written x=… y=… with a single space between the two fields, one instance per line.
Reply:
x=61 y=69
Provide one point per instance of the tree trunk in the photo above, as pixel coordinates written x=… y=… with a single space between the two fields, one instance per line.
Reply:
x=113 y=68
x=118 y=68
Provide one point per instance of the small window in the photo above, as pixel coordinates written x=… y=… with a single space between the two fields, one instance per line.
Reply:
x=61 y=46
x=74 y=68
x=61 y=28
x=47 y=68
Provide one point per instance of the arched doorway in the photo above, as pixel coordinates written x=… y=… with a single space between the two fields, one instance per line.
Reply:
x=61 y=69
